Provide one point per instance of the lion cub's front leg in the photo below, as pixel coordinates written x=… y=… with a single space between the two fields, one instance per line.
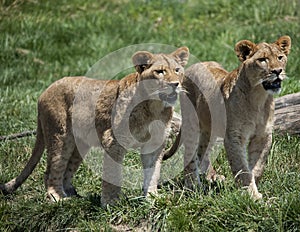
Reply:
x=245 y=168
x=112 y=170
x=258 y=150
x=151 y=169
x=151 y=157
x=236 y=150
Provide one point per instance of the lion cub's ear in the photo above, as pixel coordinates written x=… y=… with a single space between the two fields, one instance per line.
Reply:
x=243 y=49
x=181 y=55
x=284 y=42
x=141 y=60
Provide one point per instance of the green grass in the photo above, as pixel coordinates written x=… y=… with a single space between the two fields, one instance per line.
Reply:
x=42 y=41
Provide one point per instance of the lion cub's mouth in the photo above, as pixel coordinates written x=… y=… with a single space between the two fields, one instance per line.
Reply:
x=168 y=98
x=272 y=86
x=169 y=93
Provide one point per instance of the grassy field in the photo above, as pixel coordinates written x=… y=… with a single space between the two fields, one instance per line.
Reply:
x=42 y=41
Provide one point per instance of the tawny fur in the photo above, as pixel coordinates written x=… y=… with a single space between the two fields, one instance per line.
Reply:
x=247 y=121
x=76 y=113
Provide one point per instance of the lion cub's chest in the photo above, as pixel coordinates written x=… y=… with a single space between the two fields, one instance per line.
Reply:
x=148 y=119
x=130 y=121
x=251 y=112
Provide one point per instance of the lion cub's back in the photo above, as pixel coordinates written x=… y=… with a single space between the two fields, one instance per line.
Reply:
x=63 y=90
x=59 y=97
x=216 y=70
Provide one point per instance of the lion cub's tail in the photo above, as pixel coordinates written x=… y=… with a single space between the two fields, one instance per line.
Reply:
x=169 y=153
x=37 y=152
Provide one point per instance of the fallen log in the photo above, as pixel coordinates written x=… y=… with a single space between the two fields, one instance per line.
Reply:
x=287 y=114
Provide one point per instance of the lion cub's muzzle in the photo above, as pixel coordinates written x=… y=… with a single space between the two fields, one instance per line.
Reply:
x=169 y=93
x=273 y=83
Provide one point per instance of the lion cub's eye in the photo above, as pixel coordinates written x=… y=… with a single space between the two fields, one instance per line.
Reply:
x=177 y=70
x=161 y=72
x=262 y=60
x=280 y=58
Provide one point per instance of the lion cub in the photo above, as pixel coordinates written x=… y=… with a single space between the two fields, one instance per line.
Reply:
x=247 y=118
x=76 y=113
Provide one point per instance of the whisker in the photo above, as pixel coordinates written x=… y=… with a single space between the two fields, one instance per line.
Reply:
x=259 y=82
x=162 y=90
x=154 y=93
x=283 y=76
x=181 y=89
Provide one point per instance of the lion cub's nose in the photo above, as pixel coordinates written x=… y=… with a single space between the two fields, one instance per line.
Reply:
x=277 y=71
x=174 y=85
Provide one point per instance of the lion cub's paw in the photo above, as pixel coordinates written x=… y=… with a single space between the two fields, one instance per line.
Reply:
x=215 y=178
x=55 y=195
x=105 y=202
x=255 y=195
x=150 y=191
x=71 y=192
x=212 y=176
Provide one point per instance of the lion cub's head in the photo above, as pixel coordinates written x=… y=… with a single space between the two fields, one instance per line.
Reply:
x=162 y=74
x=265 y=63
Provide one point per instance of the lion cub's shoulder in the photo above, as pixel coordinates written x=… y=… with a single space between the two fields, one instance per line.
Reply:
x=216 y=70
x=224 y=79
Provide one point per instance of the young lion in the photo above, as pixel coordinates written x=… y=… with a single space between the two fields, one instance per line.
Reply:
x=248 y=116
x=130 y=113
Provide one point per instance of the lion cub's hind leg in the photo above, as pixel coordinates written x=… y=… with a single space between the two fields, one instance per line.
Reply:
x=73 y=165
x=60 y=148
x=204 y=151
x=200 y=163
x=205 y=148
x=190 y=137
x=191 y=164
